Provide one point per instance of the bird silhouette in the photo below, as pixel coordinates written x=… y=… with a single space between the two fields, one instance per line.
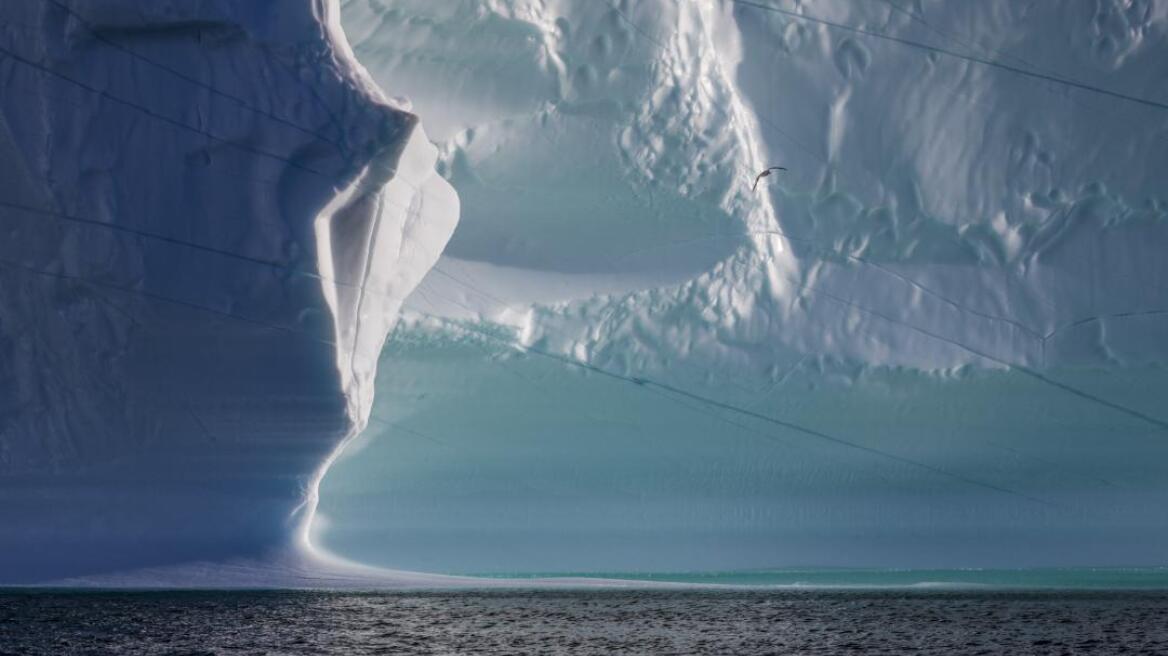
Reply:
x=765 y=174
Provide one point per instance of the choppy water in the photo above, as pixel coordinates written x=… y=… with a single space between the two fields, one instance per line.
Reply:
x=584 y=622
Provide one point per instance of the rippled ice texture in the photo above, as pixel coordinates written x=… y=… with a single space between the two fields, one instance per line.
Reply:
x=937 y=341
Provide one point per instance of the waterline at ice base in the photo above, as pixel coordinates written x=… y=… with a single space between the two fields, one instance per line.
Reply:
x=338 y=290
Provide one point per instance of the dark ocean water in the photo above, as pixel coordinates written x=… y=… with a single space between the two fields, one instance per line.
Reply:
x=584 y=622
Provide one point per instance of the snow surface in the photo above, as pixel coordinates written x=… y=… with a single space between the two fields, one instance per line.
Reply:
x=938 y=340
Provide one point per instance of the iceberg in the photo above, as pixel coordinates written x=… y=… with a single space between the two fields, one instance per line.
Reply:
x=938 y=340
x=251 y=335
x=211 y=217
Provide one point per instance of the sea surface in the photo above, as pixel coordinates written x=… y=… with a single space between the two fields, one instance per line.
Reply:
x=586 y=622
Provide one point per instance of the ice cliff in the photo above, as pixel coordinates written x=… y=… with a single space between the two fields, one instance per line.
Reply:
x=939 y=340
x=210 y=219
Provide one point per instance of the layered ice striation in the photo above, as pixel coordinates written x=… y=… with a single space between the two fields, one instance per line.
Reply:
x=210 y=218
x=938 y=340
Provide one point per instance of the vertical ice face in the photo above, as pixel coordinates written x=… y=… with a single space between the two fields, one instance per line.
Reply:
x=937 y=340
x=649 y=140
x=210 y=218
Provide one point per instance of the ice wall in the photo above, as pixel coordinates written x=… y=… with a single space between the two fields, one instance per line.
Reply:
x=210 y=219
x=939 y=340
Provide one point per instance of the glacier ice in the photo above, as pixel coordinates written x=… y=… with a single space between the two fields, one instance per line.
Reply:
x=211 y=216
x=939 y=340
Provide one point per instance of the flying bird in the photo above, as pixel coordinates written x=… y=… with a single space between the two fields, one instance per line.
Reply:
x=765 y=174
